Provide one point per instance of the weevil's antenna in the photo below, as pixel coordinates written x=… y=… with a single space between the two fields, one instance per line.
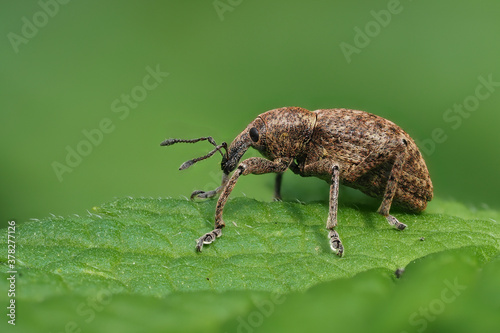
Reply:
x=187 y=164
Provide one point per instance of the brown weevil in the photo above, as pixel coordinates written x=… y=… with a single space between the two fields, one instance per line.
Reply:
x=355 y=148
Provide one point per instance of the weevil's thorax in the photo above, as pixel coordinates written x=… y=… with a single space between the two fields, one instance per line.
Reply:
x=287 y=132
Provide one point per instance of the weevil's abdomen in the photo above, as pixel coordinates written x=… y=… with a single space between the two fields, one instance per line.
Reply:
x=415 y=185
x=352 y=137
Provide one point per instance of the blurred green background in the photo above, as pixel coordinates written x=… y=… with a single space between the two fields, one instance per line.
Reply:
x=65 y=71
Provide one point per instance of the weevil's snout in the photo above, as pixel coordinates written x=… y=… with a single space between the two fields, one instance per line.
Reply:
x=238 y=147
x=252 y=136
x=225 y=166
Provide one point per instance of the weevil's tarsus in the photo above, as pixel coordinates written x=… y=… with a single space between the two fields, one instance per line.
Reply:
x=394 y=221
x=335 y=243
x=208 y=238
x=210 y=194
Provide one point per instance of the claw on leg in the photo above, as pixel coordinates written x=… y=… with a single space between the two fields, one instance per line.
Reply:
x=335 y=243
x=203 y=194
x=394 y=221
x=207 y=238
x=210 y=194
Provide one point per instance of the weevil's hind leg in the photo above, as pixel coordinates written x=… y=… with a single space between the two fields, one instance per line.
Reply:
x=392 y=184
x=277 y=187
x=331 y=223
x=211 y=194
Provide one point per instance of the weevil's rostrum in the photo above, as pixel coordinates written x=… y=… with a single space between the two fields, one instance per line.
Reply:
x=355 y=148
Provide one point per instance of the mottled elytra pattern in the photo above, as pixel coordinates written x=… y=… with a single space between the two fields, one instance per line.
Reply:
x=352 y=147
x=364 y=145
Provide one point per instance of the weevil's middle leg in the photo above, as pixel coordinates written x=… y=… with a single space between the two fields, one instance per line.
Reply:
x=331 y=223
x=328 y=167
x=277 y=187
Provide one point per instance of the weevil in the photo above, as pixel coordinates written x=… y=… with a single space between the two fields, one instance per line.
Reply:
x=341 y=146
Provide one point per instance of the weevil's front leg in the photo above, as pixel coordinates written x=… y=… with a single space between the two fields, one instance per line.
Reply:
x=328 y=167
x=253 y=165
x=390 y=189
x=210 y=194
x=219 y=223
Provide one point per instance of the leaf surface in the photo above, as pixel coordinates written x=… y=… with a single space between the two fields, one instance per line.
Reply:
x=142 y=251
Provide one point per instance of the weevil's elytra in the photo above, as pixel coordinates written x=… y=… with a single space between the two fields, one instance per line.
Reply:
x=351 y=147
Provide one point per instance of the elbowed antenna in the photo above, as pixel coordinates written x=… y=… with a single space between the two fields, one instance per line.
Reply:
x=187 y=164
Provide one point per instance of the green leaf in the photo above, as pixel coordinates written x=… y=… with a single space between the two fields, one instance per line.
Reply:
x=443 y=292
x=139 y=253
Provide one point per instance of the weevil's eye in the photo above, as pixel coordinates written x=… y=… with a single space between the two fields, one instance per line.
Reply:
x=254 y=134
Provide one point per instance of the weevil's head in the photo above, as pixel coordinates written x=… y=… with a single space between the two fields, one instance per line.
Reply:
x=282 y=132
x=254 y=135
